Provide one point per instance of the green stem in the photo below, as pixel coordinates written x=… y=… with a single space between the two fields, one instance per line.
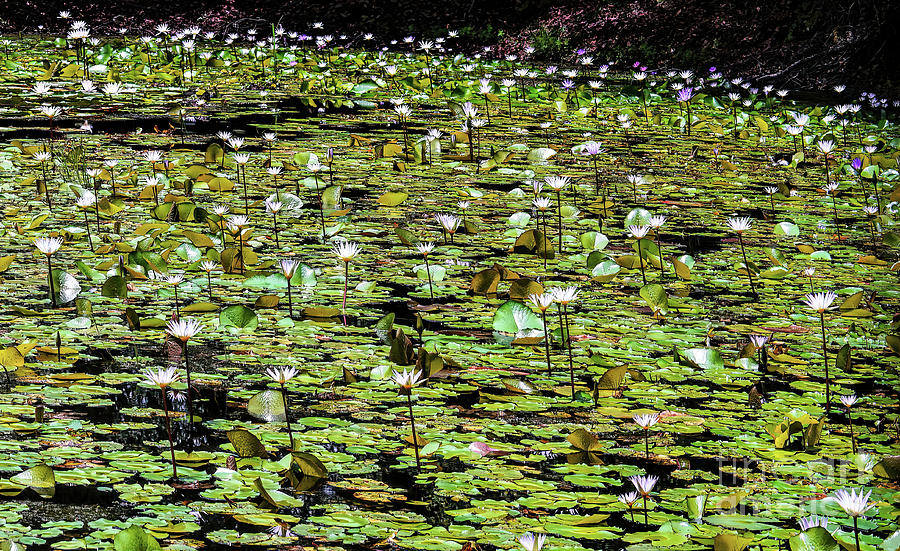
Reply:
x=87 y=227
x=287 y=415
x=412 y=424
x=569 y=348
x=646 y=522
x=559 y=220
x=50 y=281
x=546 y=342
x=747 y=266
x=190 y=394
x=275 y=229
x=825 y=356
x=321 y=205
x=290 y=302
x=346 y=277
x=852 y=436
x=662 y=265
x=641 y=260
x=169 y=432
x=428 y=271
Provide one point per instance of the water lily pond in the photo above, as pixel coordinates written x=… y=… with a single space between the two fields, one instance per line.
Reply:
x=279 y=292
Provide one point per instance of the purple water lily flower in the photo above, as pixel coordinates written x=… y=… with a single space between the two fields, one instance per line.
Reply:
x=685 y=94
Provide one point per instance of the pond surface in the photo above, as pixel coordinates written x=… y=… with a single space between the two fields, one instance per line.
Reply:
x=743 y=445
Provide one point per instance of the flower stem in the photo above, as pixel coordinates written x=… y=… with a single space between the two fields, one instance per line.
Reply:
x=412 y=424
x=50 y=281
x=190 y=398
x=559 y=219
x=641 y=259
x=662 y=266
x=97 y=205
x=290 y=302
x=646 y=522
x=321 y=206
x=87 y=227
x=346 y=277
x=246 y=202
x=569 y=348
x=834 y=208
x=169 y=432
x=747 y=266
x=177 y=309
x=543 y=247
x=428 y=271
x=852 y=436
x=547 y=342
x=287 y=415
x=275 y=229
x=241 y=245
x=825 y=356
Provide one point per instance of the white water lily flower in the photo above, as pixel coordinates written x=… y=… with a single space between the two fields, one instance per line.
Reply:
x=87 y=200
x=346 y=250
x=532 y=542
x=469 y=110
x=281 y=375
x=759 y=340
x=638 y=232
x=113 y=88
x=853 y=503
x=48 y=245
x=41 y=88
x=153 y=155
x=238 y=220
x=273 y=206
x=183 y=329
x=408 y=380
x=541 y=203
x=50 y=111
x=288 y=267
x=812 y=522
x=449 y=222
x=403 y=111
x=162 y=377
x=825 y=146
x=557 y=183
x=820 y=301
x=541 y=300
x=644 y=484
x=565 y=295
x=657 y=221
x=646 y=420
x=739 y=223
x=848 y=401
